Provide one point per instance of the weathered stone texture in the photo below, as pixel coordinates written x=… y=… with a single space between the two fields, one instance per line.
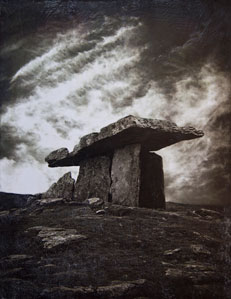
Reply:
x=72 y=251
x=137 y=178
x=93 y=179
x=125 y=174
x=62 y=189
x=116 y=164
x=153 y=133
x=58 y=154
x=152 y=181
x=56 y=237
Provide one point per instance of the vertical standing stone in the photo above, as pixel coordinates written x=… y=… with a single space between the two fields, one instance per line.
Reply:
x=125 y=175
x=152 y=181
x=137 y=178
x=93 y=179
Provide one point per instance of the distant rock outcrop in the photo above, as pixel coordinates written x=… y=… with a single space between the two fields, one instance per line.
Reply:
x=12 y=200
x=63 y=188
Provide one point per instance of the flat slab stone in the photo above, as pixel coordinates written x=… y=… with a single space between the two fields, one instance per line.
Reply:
x=94 y=179
x=153 y=134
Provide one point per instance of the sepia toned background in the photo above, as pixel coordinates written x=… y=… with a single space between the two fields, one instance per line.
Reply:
x=70 y=67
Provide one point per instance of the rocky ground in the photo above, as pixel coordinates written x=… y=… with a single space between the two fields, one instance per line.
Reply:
x=53 y=248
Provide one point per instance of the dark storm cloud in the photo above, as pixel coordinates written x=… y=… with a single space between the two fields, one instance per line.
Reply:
x=210 y=183
x=11 y=141
x=201 y=28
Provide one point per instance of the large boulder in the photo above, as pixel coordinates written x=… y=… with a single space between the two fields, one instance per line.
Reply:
x=62 y=189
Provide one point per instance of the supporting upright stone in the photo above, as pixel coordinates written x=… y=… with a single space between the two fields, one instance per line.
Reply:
x=93 y=179
x=125 y=175
x=152 y=181
x=137 y=178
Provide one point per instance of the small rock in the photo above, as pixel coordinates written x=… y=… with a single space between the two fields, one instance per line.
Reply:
x=208 y=214
x=54 y=237
x=50 y=201
x=120 y=289
x=94 y=202
x=100 y=212
x=172 y=252
x=199 y=249
x=49 y=266
x=19 y=256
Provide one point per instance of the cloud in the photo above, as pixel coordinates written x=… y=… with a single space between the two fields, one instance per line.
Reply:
x=12 y=140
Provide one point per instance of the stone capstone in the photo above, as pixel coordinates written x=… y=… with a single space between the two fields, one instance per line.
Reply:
x=62 y=189
x=154 y=134
x=93 y=179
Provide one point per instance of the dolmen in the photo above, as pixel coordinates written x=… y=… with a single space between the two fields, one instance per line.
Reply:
x=118 y=164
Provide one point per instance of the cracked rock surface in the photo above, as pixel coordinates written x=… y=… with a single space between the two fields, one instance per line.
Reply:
x=68 y=250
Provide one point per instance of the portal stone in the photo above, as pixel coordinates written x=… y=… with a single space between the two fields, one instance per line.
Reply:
x=93 y=179
x=152 y=181
x=137 y=178
x=125 y=175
